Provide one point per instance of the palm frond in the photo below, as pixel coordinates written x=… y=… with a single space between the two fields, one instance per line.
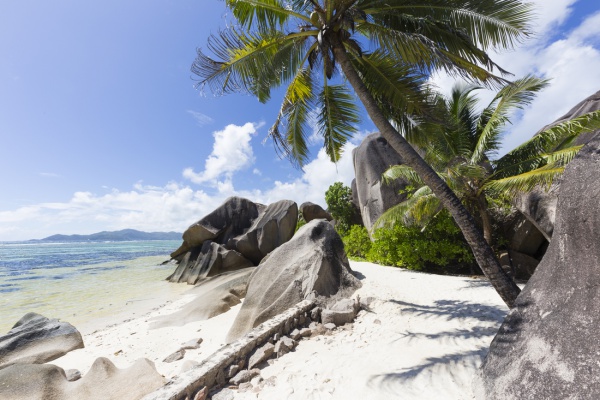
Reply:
x=266 y=15
x=337 y=118
x=293 y=116
x=524 y=182
x=418 y=209
x=403 y=172
x=516 y=95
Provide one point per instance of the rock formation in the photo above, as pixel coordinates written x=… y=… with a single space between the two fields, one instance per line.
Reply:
x=371 y=159
x=103 y=382
x=547 y=346
x=36 y=339
x=312 y=211
x=539 y=206
x=215 y=296
x=312 y=263
x=237 y=235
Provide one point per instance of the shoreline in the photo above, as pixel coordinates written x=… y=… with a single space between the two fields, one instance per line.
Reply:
x=424 y=336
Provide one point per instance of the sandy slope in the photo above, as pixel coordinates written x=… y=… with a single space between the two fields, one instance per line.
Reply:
x=423 y=338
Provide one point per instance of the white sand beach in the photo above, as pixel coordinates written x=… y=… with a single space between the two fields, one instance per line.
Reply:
x=422 y=338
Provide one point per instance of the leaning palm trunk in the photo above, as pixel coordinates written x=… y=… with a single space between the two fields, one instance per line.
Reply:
x=487 y=260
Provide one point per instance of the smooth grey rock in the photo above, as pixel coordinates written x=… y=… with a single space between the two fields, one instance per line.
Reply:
x=295 y=334
x=329 y=326
x=547 y=347
x=261 y=354
x=284 y=346
x=371 y=159
x=73 y=375
x=35 y=339
x=521 y=265
x=312 y=211
x=230 y=219
x=305 y=332
x=214 y=296
x=178 y=355
x=244 y=376
x=274 y=226
x=338 y=318
x=103 y=381
x=192 y=344
x=232 y=370
x=312 y=261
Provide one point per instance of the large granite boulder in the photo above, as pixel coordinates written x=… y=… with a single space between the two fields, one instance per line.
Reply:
x=547 y=347
x=371 y=159
x=312 y=211
x=539 y=206
x=35 y=339
x=208 y=259
x=274 y=226
x=214 y=296
x=313 y=263
x=104 y=381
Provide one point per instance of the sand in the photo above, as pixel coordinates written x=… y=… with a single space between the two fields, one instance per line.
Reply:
x=423 y=337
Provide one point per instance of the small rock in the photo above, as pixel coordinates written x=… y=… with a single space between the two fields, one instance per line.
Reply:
x=305 y=332
x=73 y=375
x=313 y=325
x=295 y=334
x=188 y=364
x=261 y=354
x=244 y=376
x=232 y=370
x=244 y=387
x=337 y=317
x=192 y=344
x=202 y=394
x=256 y=380
x=365 y=303
x=178 y=355
x=284 y=346
x=270 y=381
x=315 y=313
x=329 y=326
x=378 y=322
x=276 y=337
x=224 y=394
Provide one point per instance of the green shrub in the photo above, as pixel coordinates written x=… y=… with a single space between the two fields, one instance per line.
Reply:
x=357 y=242
x=300 y=223
x=438 y=245
x=339 y=204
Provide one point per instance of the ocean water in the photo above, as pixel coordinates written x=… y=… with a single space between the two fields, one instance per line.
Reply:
x=82 y=282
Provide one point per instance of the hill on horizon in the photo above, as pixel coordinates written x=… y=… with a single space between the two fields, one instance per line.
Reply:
x=114 y=236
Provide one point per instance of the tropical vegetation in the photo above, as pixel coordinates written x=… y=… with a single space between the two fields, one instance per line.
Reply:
x=463 y=151
x=385 y=50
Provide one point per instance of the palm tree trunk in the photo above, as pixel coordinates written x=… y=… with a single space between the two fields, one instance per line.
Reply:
x=504 y=285
x=486 y=221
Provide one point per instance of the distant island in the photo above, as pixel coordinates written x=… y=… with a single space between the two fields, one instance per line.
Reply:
x=116 y=236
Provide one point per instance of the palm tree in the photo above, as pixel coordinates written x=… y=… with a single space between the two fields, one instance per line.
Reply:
x=304 y=44
x=463 y=151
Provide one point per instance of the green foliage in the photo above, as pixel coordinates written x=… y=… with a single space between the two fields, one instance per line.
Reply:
x=439 y=244
x=300 y=223
x=357 y=242
x=339 y=204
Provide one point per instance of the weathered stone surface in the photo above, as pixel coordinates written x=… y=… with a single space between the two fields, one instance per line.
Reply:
x=547 y=346
x=284 y=346
x=230 y=219
x=224 y=394
x=176 y=356
x=312 y=263
x=342 y=312
x=103 y=381
x=244 y=376
x=521 y=265
x=202 y=394
x=330 y=326
x=192 y=344
x=540 y=206
x=371 y=159
x=261 y=354
x=312 y=211
x=73 y=375
x=273 y=227
x=215 y=296
x=207 y=260
x=35 y=339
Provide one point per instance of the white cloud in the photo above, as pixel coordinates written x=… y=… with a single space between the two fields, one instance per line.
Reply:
x=231 y=152
x=201 y=119
x=49 y=175
x=257 y=171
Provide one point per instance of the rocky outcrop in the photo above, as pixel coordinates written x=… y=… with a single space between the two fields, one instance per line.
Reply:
x=237 y=235
x=214 y=296
x=547 y=346
x=35 y=339
x=274 y=226
x=371 y=159
x=539 y=206
x=103 y=382
x=312 y=211
x=313 y=263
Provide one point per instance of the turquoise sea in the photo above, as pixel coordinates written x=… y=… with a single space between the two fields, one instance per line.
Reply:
x=81 y=282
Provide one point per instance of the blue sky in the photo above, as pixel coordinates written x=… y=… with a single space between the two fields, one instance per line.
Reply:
x=102 y=129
